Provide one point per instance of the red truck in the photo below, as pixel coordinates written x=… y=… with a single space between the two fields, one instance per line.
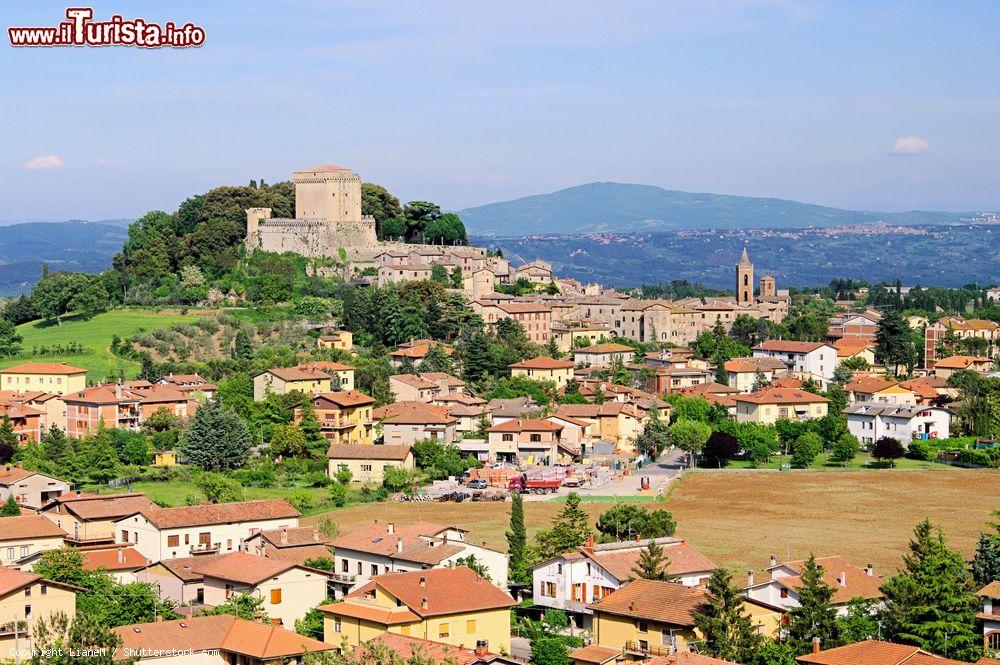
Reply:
x=533 y=486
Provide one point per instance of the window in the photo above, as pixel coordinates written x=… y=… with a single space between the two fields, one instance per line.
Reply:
x=27 y=612
x=559 y=568
x=173 y=541
x=44 y=589
x=549 y=589
x=366 y=467
x=535 y=438
x=359 y=568
x=404 y=630
x=784 y=592
x=187 y=539
x=229 y=543
x=24 y=551
x=642 y=626
x=204 y=539
x=276 y=596
x=135 y=536
x=10 y=553
x=507 y=437
x=336 y=625
x=27 y=592
x=229 y=591
x=443 y=630
x=124 y=536
x=374 y=569
x=643 y=645
x=344 y=566
x=666 y=637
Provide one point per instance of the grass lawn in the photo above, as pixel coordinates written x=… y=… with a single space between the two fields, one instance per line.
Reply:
x=95 y=335
x=738 y=519
x=862 y=461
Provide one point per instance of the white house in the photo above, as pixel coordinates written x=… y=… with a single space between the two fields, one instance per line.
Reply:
x=604 y=354
x=381 y=548
x=815 y=360
x=870 y=421
x=990 y=616
x=848 y=581
x=573 y=580
x=168 y=533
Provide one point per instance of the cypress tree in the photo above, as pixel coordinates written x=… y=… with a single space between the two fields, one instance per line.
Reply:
x=729 y=632
x=517 y=542
x=815 y=616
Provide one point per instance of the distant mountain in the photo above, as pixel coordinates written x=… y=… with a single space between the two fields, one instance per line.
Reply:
x=618 y=207
x=75 y=245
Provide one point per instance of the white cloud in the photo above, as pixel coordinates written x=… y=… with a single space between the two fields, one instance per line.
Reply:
x=909 y=145
x=45 y=162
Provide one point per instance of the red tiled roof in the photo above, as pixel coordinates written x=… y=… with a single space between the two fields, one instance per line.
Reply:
x=101 y=506
x=873 y=652
x=407 y=647
x=43 y=368
x=439 y=591
x=344 y=398
x=684 y=559
x=107 y=393
x=117 y=557
x=377 y=539
x=664 y=602
x=414 y=413
x=297 y=374
x=541 y=362
x=781 y=396
x=12 y=580
x=242 y=567
x=28 y=526
x=788 y=346
x=594 y=653
x=325 y=366
x=960 y=362
x=527 y=425
x=365 y=451
x=220 y=513
x=857 y=583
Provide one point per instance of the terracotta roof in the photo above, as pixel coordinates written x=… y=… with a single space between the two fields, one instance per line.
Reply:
x=101 y=506
x=414 y=381
x=325 y=366
x=377 y=539
x=597 y=410
x=115 y=557
x=18 y=410
x=527 y=425
x=857 y=583
x=921 y=389
x=991 y=590
x=223 y=632
x=873 y=652
x=439 y=591
x=183 y=378
x=684 y=559
x=663 y=602
x=781 y=396
x=184 y=568
x=712 y=387
x=743 y=365
x=541 y=362
x=12 y=580
x=960 y=362
x=388 y=616
x=293 y=537
x=345 y=398
x=869 y=385
x=414 y=413
x=594 y=653
x=297 y=374
x=107 y=393
x=523 y=307
x=162 y=394
x=787 y=382
x=605 y=347
x=43 y=368
x=509 y=408
x=438 y=652
x=685 y=658
x=364 y=452
x=243 y=567
x=28 y=526
x=438 y=377
x=299 y=555
x=788 y=346
x=220 y=513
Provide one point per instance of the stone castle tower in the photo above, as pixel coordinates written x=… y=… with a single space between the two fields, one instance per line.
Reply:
x=744 y=280
x=327 y=216
x=767 y=288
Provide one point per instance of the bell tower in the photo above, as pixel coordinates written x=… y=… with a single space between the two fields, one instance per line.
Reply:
x=744 y=280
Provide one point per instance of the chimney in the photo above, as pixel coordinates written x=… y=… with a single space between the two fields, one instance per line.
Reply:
x=284 y=536
x=774 y=560
x=316 y=535
x=423 y=601
x=749 y=578
x=590 y=540
x=392 y=527
x=121 y=555
x=399 y=548
x=482 y=648
x=815 y=645
x=869 y=570
x=631 y=606
x=842 y=578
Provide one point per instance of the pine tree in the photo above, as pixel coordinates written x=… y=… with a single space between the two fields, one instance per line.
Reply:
x=7 y=434
x=517 y=542
x=931 y=603
x=102 y=460
x=986 y=563
x=216 y=438
x=727 y=628
x=653 y=564
x=316 y=443
x=57 y=448
x=815 y=616
x=242 y=346
x=10 y=508
x=570 y=529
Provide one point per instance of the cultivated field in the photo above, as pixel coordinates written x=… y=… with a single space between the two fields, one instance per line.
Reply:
x=739 y=518
x=95 y=334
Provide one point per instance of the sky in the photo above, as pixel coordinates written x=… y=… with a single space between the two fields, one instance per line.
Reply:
x=864 y=105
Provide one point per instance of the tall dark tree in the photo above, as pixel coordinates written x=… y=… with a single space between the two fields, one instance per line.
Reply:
x=57 y=447
x=10 y=508
x=728 y=631
x=815 y=617
x=243 y=345
x=570 y=529
x=986 y=562
x=517 y=542
x=653 y=563
x=894 y=341
x=216 y=438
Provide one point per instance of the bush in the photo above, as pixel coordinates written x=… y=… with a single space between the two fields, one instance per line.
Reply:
x=302 y=500
x=888 y=449
x=807 y=447
x=720 y=448
x=845 y=448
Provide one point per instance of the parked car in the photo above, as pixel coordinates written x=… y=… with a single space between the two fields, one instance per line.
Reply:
x=478 y=484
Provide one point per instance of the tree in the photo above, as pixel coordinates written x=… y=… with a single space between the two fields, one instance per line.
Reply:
x=759 y=380
x=216 y=438
x=845 y=448
x=728 y=631
x=894 y=341
x=57 y=640
x=243 y=605
x=549 y=651
x=102 y=458
x=690 y=436
x=720 y=448
x=8 y=437
x=10 y=339
x=311 y=624
x=242 y=345
x=626 y=521
x=860 y=623
x=380 y=204
x=315 y=443
x=218 y=488
x=288 y=441
x=10 y=508
x=517 y=542
x=815 y=617
x=986 y=562
x=439 y=274
x=807 y=447
x=569 y=529
x=931 y=603
x=653 y=563
x=475 y=565
x=888 y=449
x=396 y=479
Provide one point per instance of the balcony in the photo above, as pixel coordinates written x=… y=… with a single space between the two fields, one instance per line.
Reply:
x=639 y=647
x=205 y=548
x=344 y=578
x=7 y=629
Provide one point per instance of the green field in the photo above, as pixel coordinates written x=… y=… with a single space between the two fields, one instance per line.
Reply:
x=95 y=335
x=862 y=461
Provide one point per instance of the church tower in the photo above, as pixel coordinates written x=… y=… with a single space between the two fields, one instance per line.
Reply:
x=744 y=280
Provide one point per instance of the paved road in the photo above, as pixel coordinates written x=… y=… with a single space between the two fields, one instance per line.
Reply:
x=660 y=473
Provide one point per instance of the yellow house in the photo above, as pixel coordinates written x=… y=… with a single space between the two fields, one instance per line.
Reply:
x=544 y=369
x=340 y=375
x=570 y=337
x=342 y=340
x=58 y=378
x=449 y=605
x=283 y=380
x=367 y=464
x=89 y=519
x=619 y=422
x=25 y=598
x=24 y=535
x=879 y=390
x=648 y=618
x=773 y=404
x=165 y=458
x=344 y=416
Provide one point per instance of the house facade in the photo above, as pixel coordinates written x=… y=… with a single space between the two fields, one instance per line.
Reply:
x=344 y=416
x=870 y=421
x=815 y=360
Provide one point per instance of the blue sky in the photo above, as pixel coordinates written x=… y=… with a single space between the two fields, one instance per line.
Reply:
x=876 y=105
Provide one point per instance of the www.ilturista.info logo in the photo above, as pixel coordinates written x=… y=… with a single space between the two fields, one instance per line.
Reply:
x=81 y=30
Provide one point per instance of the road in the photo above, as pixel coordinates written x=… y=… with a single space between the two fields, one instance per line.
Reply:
x=668 y=466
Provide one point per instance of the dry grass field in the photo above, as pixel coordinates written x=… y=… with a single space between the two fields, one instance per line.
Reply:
x=738 y=519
